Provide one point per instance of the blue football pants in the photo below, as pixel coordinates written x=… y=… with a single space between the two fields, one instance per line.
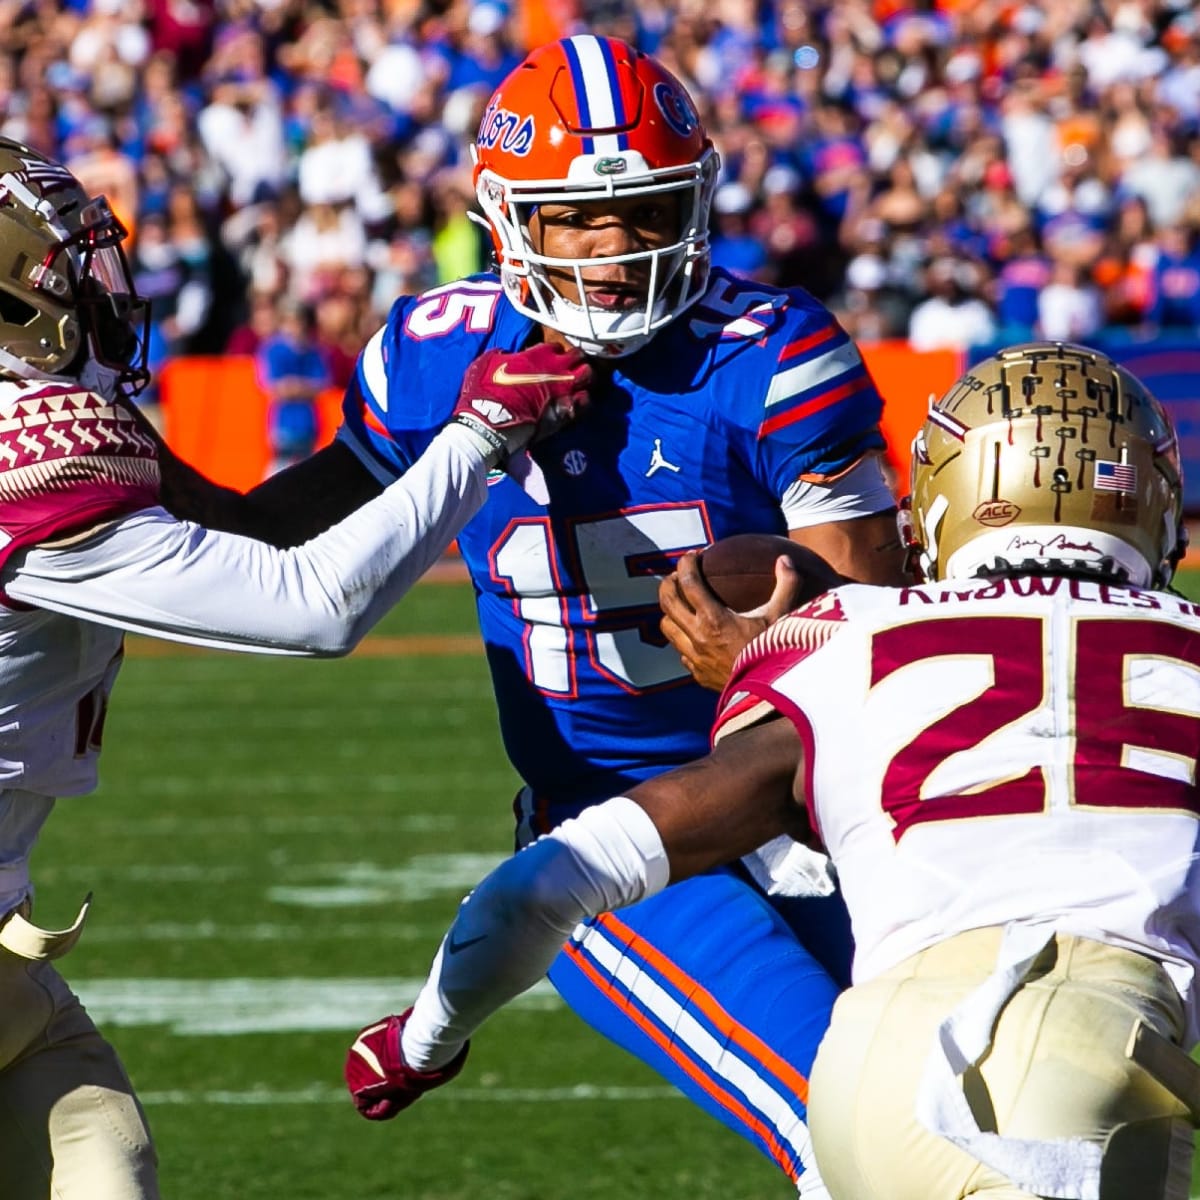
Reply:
x=722 y=990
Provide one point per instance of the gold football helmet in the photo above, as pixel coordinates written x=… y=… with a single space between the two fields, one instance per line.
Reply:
x=66 y=295
x=1047 y=458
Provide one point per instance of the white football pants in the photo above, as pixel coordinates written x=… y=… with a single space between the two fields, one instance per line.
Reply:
x=70 y=1125
x=1057 y=1068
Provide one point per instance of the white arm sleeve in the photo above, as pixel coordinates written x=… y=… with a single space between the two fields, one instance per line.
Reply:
x=861 y=492
x=149 y=573
x=511 y=927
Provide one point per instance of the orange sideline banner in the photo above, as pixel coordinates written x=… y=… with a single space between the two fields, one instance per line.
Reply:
x=215 y=417
x=906 y=378
x=542 y=21
x=215 y=413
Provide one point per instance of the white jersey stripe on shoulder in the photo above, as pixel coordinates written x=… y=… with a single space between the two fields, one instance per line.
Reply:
x=775 y=1108
x=461 y=285
x=811 y=374
x=374 y=371
x=861 y=491
x=601 y=105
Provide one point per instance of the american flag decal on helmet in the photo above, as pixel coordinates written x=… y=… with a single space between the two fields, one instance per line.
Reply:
x=1116 y=477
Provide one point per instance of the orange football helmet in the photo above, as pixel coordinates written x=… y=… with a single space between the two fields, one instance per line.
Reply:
x=591 y=119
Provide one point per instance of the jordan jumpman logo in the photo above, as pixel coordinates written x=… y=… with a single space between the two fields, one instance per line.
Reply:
x=657 y=461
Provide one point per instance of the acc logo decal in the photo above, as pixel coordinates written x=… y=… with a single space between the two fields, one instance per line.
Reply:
x=996 y=512
x=676 y=108
x=507 y=130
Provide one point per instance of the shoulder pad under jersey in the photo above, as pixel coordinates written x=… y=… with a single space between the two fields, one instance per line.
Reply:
x=408 y=375
x=750 y=694
x=69 y=459
x=791 y=382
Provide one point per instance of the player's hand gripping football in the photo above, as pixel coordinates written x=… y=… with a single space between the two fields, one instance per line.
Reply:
x=708 y=635
x=381 y=1083
x=510 y=398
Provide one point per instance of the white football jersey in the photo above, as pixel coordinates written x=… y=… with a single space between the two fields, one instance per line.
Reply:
x=69 y=460
x=55 y=676
x=87 y=553
x=982 y=753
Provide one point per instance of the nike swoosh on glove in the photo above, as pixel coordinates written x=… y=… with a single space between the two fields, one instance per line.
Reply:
x=381 y=1083
x=510 y=398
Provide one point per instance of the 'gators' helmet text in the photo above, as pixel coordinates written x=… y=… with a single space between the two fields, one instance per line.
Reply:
x=590 y=122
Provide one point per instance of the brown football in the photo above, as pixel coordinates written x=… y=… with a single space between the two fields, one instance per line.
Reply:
x=741 y=569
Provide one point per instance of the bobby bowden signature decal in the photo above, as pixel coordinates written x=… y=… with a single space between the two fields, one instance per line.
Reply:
x=1057 y=543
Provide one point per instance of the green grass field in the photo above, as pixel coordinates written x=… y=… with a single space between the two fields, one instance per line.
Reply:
x=276 y=849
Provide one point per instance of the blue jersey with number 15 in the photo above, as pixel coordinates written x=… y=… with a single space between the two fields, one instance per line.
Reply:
x=695 y=437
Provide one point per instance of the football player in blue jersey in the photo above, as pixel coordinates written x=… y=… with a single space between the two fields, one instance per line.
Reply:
x=718 y=407
x=1023 y=1001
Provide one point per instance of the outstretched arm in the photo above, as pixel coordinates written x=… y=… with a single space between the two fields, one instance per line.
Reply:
x=509 y=930
x=149 y=573
x=284 y=510
x=287 y=509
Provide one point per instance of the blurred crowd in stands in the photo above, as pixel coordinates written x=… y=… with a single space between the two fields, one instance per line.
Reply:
x=950 y=171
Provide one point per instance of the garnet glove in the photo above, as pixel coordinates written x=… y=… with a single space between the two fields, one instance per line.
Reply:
x=508 y=398
x=381 y=1083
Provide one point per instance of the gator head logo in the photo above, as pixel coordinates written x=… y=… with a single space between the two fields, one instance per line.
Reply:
x=996 y=512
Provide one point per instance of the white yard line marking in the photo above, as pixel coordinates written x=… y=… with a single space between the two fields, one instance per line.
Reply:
x=422 y=876
x=245 y=826
x=264 y=931
x=321 y=1094
x=307 y=885
x=207 y=1007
